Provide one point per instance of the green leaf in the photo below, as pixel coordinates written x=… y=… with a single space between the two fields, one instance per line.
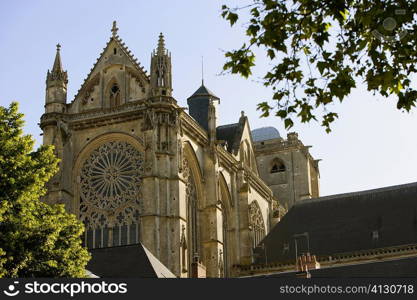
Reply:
x=301 y=46
x=344 y=14
x=288 y=123
x=232 y=17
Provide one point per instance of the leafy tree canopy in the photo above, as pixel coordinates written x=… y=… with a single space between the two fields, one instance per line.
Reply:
x=320 y=49
x=36 y=239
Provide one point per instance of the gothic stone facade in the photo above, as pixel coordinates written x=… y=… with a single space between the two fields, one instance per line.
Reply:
x=288 y=168
x=135 y=167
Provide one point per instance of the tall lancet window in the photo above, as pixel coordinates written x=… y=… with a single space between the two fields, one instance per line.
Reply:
x=192 y=214
x=256 y=223
x=110 y=195
x=114 y=95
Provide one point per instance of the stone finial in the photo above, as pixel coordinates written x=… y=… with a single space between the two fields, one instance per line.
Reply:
x=58 y=47
x=114 y=29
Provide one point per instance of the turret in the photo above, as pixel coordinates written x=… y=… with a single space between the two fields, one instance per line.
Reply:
x=161 y=77
x=203 y=108
x=56 y=86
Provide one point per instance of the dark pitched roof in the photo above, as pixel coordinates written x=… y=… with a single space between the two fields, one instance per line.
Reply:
x=346 y=223
x=400 y=267
x=126 y=261
x=232 y=134
x=227 y=133
x=203 y=91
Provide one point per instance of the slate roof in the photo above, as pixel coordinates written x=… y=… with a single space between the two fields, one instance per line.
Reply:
x=227 y=133
x=265 y=133
x=203 y=91
x=345 y=223
x=232 y=134
x=127 y=261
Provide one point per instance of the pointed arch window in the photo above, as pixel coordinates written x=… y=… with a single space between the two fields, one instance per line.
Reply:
x=160 y=75
x=193 y=248
x=256 y=223
x=114 y=95
x=278 y=166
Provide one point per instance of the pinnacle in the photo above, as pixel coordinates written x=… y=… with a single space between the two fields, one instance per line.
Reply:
x=161 y=44
x=114 y=29
x=57 y=63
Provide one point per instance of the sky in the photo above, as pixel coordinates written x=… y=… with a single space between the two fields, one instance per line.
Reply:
x=371 y=145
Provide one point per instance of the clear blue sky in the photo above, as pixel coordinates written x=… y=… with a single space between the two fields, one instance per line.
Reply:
x=372 y=144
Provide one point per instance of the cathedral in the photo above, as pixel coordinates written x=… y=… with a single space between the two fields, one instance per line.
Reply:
x=139 y=170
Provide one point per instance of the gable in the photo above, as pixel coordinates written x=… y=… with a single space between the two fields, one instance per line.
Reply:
x=246 y=148
x=239 y=141
x=116 y=74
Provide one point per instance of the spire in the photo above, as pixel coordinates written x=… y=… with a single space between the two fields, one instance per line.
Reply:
x=56 y=85
x=114 y=29
x=161 y=44
x=57 y=68
x=57 y=74
x=202 y=70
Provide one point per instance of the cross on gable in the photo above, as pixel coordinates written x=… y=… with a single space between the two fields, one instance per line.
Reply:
x=114 y=29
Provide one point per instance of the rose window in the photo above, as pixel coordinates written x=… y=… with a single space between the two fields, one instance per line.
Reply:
x=110 y=190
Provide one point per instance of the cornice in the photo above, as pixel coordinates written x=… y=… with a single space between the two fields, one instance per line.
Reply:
x=336 y=260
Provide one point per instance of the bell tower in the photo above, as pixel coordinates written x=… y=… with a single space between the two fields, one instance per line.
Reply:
x=161 y=77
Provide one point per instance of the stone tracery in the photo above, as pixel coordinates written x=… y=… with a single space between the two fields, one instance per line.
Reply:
x=110 y=193
x=256 y=223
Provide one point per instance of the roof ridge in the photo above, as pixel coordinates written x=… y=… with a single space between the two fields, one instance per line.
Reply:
x=363 y=192
x=203 y=91
x=227 y=125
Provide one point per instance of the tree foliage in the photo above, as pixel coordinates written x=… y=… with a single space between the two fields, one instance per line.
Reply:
x=36 y=239
x=320 y=49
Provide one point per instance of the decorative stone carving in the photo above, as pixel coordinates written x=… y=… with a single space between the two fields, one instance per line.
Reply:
x=89 y=88
x=256 y=223
x=64 y=130
x=148 y=168
x=110 y=185
x=149 y=120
